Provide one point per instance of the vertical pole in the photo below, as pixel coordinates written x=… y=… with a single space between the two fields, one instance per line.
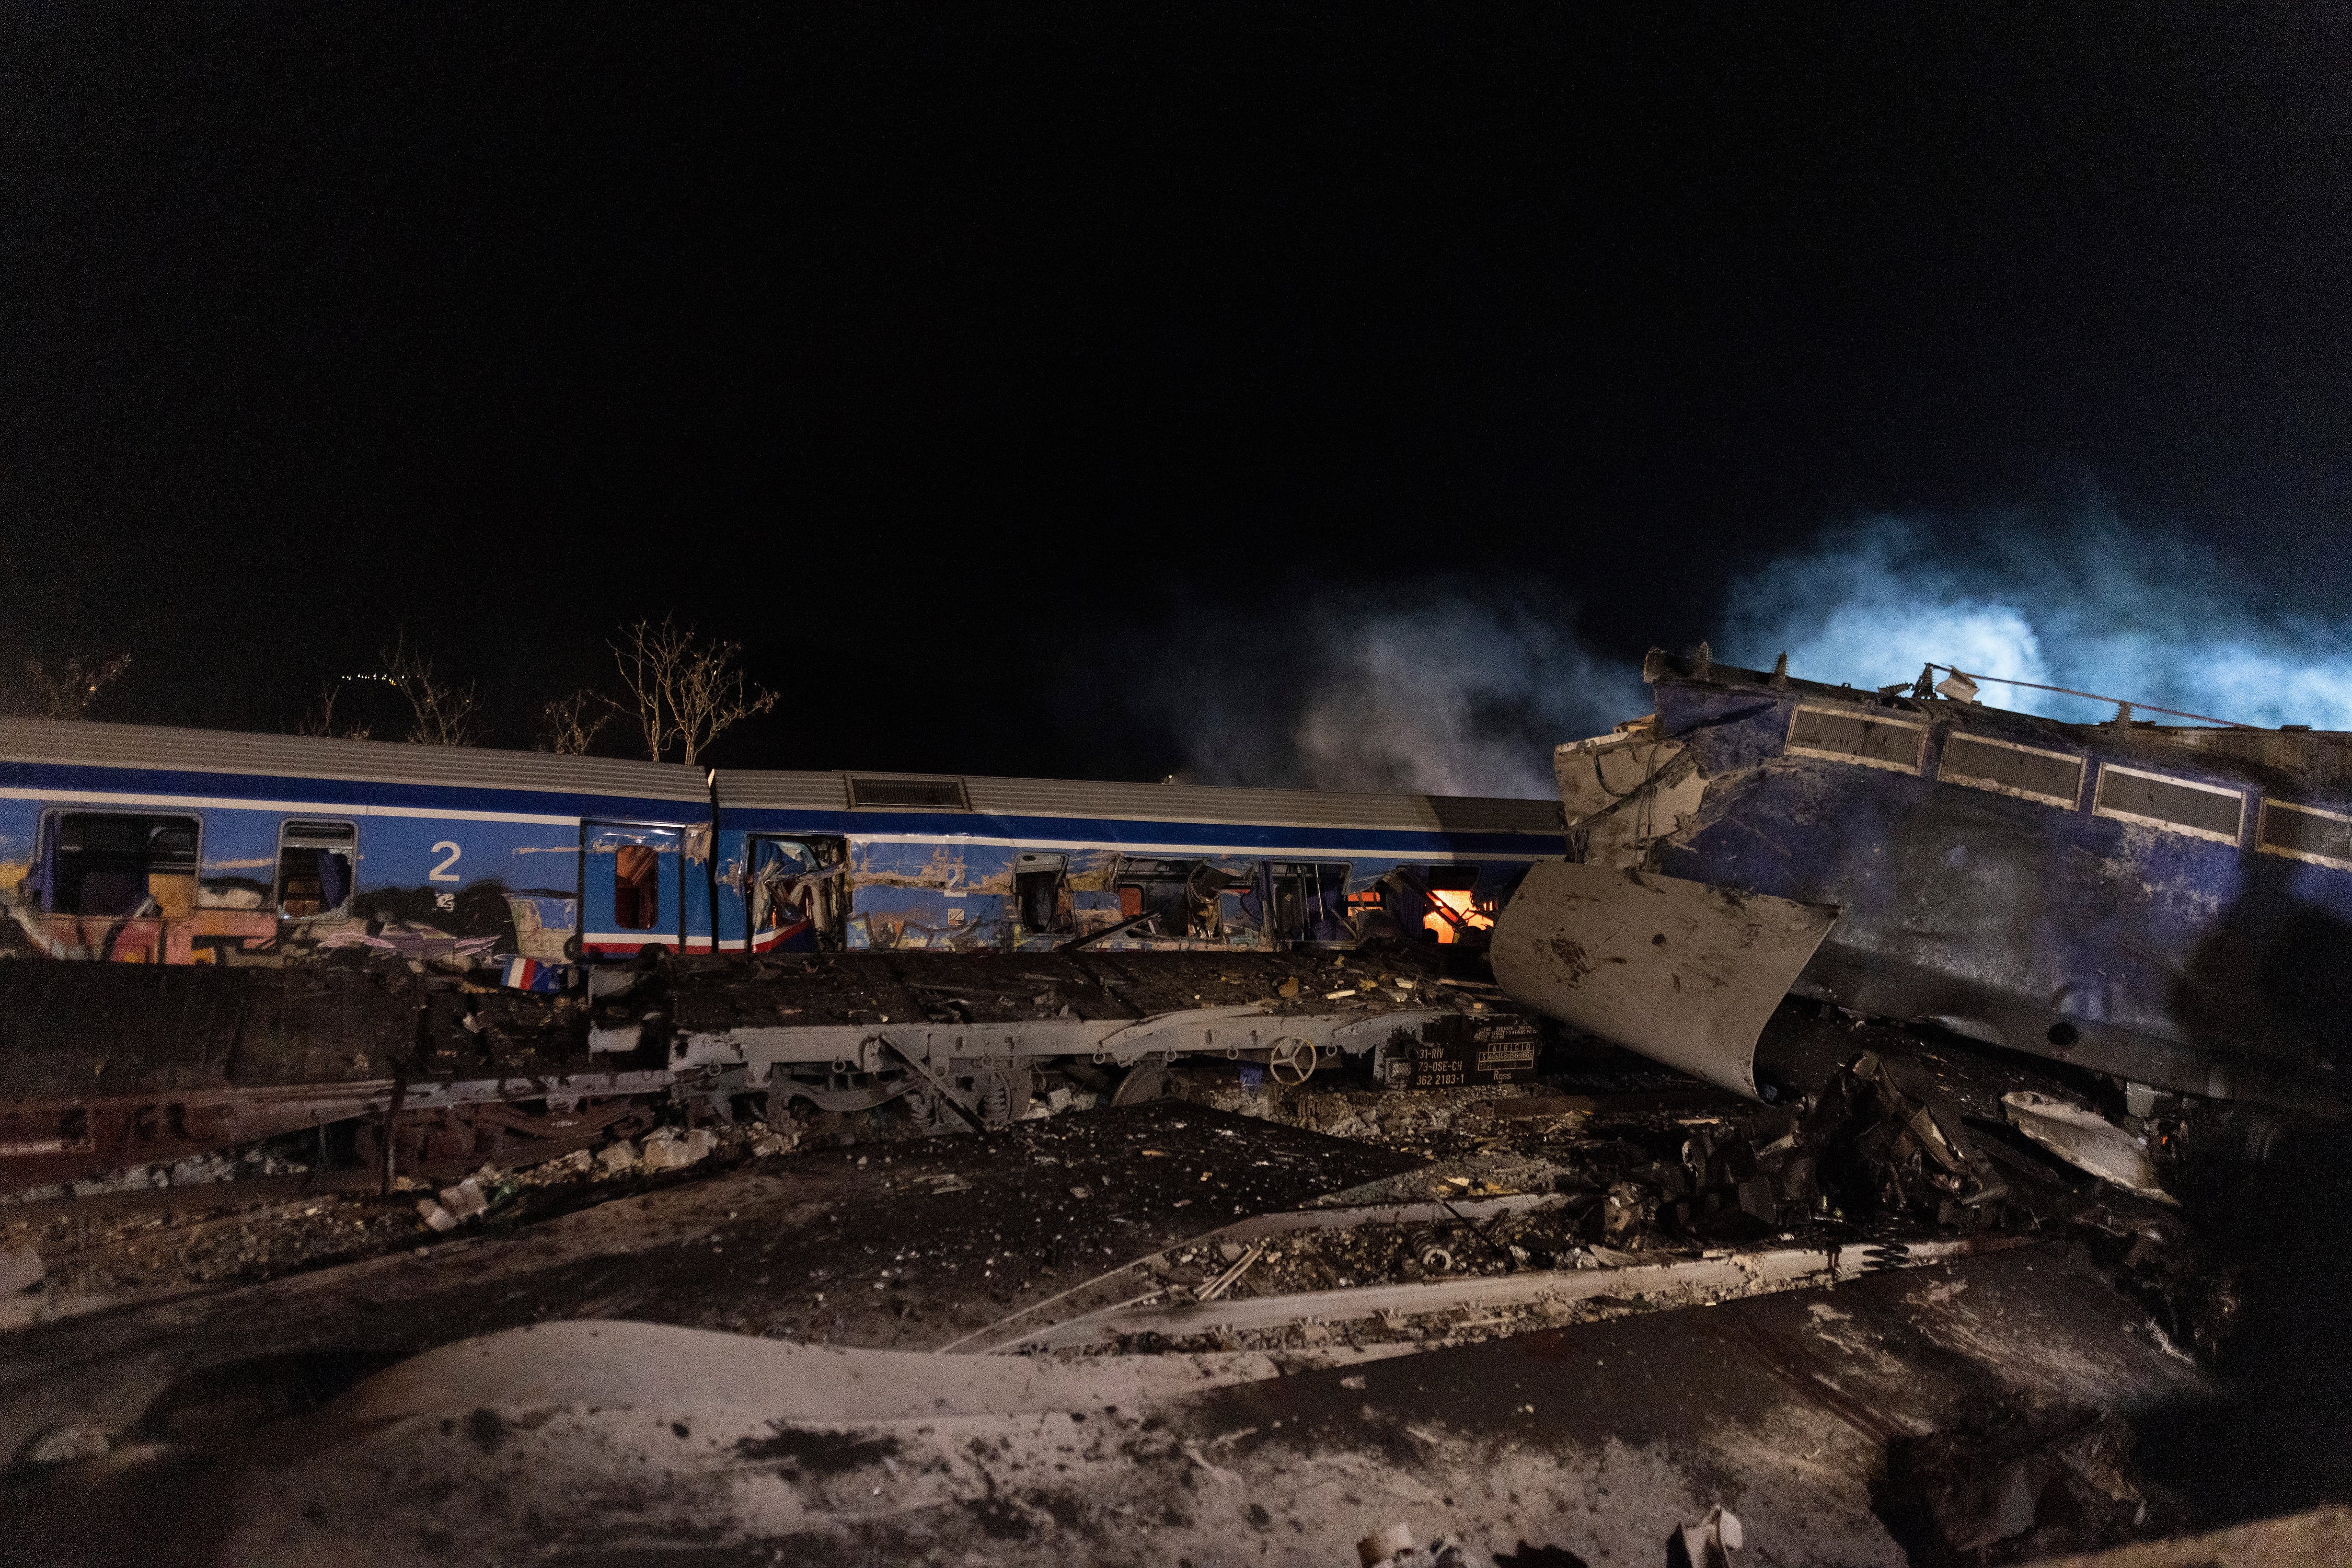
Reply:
x=391 y=1118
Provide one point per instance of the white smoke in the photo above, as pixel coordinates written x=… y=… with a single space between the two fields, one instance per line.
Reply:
x=1444 y=691
x=1450 y=690
x=2141 y=614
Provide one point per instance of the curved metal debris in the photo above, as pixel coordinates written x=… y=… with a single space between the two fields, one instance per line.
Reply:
x=1685 y=973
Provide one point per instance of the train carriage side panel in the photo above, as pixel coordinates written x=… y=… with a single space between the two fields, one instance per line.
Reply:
x=292 y=838
x=987 y=863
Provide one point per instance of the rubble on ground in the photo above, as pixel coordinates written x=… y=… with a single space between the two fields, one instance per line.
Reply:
x=1884 y=1147
x=2026 y=1479
x=270 y=1159
x=950 y=988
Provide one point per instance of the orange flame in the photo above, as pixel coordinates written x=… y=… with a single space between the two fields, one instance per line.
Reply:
x=1459 y=902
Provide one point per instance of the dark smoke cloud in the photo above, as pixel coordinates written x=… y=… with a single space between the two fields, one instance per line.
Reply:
x=1460 y=691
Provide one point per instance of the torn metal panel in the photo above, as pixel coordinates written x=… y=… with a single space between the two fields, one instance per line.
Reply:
x=1685 y=973
x=544 y=924
x=2086 y=1140
x=1622 y=790
x=2172 y=906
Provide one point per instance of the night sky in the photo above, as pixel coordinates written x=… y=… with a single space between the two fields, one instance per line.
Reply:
x=993 y=372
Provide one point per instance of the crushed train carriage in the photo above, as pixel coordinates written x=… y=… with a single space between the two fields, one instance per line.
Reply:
x=2168 y=905
x=264 y=934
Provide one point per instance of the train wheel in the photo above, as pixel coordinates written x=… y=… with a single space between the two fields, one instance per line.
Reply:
x=1143 y=1081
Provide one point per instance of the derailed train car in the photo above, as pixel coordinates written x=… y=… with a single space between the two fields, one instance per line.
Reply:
x=2168 y=905
x=922 y=862
x=128 y=843
x=250 y=934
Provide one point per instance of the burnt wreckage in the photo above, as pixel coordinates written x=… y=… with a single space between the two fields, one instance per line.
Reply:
x=470 y=948
x=215 y=938
x=2171 y=906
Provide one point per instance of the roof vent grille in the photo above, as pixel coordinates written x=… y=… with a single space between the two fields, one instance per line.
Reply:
x=904 y=794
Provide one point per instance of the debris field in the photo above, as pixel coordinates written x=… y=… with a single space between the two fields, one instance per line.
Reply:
x=1565 y=1315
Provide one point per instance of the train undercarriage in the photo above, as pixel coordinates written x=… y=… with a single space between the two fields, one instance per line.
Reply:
x=104 y=1068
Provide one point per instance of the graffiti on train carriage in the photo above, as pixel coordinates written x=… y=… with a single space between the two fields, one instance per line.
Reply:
x=137 y=845
x=179 y=847
x=225 y=884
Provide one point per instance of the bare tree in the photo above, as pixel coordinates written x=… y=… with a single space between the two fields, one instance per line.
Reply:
x=685 y=690
x=69 y=693
x=320 y=720
x=442 y=711
x=569 y=725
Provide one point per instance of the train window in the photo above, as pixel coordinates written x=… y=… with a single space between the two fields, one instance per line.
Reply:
x=118 y=863
x=2006 y=768
x=795 y=892
x=2305 y=833
x=902 y=795
x=1872 y=740
x=1309 y=901
x=2177 y=806
x=1041 y=884
x=636 y=887
x=1181 y=897
x=314 y=870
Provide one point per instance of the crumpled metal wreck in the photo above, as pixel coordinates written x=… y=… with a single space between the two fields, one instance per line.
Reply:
x=2171 y=905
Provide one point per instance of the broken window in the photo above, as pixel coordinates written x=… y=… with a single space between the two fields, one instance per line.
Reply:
x=902 y=795
x=2006 y=768
x=797 y=892
x=1040 y=885
x=118 y=863
x=1847 y=737
x=1156 y=887
x=2305 y=833
x=636 y=887
x=314 y=870
x=1307 y=900
x=1451 y=910
x=1180 y=896
x=2203 y=811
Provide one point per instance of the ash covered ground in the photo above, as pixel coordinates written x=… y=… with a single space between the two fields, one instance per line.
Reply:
x=1397 y=1305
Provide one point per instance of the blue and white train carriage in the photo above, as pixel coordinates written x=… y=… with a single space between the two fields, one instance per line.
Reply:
x=132 y=843
x=144 y=845
x=859 y=860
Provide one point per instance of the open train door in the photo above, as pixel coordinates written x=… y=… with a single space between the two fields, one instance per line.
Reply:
x=1685 y=973
x=632 y=888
